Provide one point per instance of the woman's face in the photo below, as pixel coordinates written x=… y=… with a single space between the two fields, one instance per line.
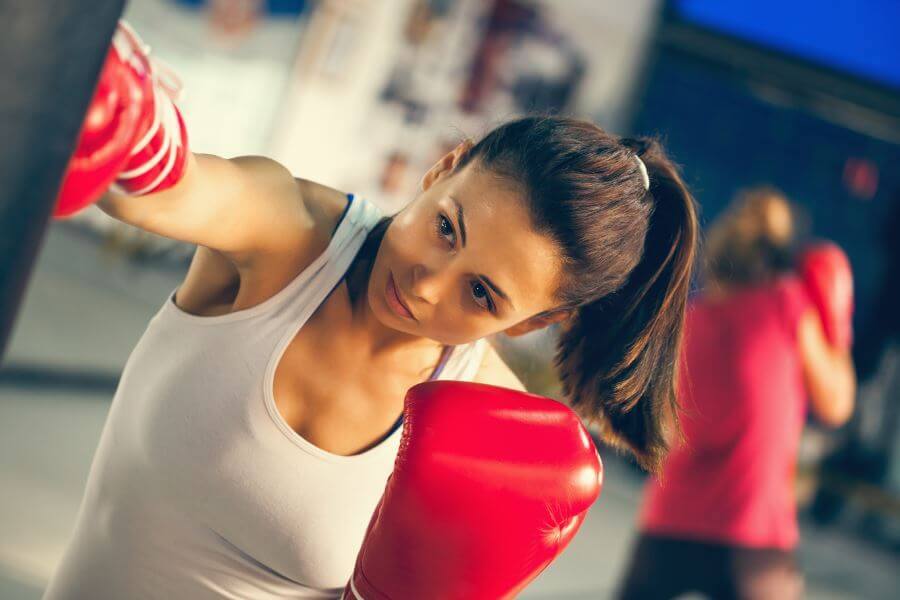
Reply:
x=462 y=261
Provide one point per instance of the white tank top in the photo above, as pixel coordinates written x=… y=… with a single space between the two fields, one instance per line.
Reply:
x=199 y=489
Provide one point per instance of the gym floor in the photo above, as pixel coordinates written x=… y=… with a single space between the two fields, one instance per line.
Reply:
x=85 y=309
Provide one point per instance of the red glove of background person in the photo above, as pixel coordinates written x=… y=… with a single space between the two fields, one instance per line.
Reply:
x=826 y=272
x=132 y=133
x=489 y=486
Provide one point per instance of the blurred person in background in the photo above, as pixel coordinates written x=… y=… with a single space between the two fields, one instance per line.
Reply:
x=258 y=418
x=720 y=518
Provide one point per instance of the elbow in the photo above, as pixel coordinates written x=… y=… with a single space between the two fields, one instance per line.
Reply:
x=832 y=388
x=835 y=418
x=838 y=409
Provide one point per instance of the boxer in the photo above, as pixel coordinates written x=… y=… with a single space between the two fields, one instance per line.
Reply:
x=259 y=417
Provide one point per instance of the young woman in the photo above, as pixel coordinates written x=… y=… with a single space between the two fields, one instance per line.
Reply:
x=721 y=517
x=257 y=420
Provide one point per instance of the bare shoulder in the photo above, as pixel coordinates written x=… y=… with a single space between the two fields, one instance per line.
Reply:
x=217 y=283
x=325 y=206
x=321 y=207
x=494 y=371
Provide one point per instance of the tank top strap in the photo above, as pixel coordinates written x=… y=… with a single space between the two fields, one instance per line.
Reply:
x=361 y=212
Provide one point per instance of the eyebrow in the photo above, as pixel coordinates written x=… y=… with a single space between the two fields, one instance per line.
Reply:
x=462 y=234
x=460 y=220
x=497 y=290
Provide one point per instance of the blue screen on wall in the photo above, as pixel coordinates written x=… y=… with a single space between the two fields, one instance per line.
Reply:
x=857 y=37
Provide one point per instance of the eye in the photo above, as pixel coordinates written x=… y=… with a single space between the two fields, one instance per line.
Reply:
x=482 y=296
x=445 y=230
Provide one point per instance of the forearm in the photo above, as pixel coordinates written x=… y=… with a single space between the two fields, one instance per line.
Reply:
x=136 y=211
x=239 y=206
x=832 y=387
x=828 y=372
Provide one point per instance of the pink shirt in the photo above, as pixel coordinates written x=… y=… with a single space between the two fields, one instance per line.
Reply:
x=744 y=402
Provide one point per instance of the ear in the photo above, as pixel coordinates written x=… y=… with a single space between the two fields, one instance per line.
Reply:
x=538 y=321
x=445 y=166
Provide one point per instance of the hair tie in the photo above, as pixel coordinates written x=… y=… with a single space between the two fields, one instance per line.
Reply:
x=645 y=177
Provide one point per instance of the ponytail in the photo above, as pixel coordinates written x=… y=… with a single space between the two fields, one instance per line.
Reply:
x=617 y=356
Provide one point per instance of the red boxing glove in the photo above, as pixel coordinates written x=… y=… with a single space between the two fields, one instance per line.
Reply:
x=826 y=272
x=132 y=134
x=489 y=486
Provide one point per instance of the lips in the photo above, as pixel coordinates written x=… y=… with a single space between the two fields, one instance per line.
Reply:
x=395 y=302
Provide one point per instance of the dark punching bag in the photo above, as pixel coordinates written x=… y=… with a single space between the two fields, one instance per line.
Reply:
x=51 y=52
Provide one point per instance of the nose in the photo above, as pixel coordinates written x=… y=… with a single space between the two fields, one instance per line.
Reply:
x=428 y=284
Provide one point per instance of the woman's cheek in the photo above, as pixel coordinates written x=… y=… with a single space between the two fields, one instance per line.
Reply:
x=409 y=219
x=410 y=242
x=463 y=328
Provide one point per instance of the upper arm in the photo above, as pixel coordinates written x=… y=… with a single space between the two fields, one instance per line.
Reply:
x=828 y=372
x=494 y=371
x=242 y=207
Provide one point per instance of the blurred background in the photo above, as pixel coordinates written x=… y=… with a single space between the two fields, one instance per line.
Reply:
x=365 y=95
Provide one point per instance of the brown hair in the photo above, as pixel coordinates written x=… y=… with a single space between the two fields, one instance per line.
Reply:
x=751 y=241
x=628 y=257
